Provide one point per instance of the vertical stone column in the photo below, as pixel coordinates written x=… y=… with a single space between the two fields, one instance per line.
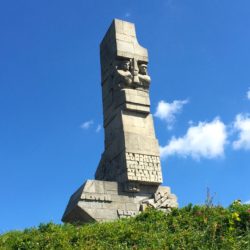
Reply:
x=129 y=175
x=131 y=148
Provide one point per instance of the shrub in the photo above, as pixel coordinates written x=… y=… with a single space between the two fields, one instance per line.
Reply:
x=190 y=227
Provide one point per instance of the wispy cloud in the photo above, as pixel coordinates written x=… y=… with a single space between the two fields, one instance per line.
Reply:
x=87 y=124
x=242 y=126
x=206 y=140
x=98 y=128
x=168 y=111
x=246 y=202
x=248 y=94
x=127 y=14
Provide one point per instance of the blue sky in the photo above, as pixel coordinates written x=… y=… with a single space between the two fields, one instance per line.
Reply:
x=51 y=135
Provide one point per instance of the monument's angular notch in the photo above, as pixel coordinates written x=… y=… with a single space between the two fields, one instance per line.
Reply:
x=128 y=177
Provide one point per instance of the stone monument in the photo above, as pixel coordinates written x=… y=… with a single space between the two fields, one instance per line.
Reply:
x=128 y=177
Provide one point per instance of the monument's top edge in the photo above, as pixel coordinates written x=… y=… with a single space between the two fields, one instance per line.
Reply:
x=119 y=27
x=121 y=21
x=120 y=41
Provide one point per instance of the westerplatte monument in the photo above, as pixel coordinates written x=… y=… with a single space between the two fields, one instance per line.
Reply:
x=128 y=177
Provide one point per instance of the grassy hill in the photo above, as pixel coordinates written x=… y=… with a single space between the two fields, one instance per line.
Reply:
x=191 y=227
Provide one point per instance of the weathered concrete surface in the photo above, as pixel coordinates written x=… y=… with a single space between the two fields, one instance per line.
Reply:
x=131 y=148
x=104 y=201
x=129 y=173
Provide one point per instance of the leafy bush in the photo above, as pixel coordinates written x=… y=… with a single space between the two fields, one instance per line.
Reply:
x=191 y=227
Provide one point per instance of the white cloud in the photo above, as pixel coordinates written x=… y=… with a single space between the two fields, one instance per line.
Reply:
x=98 y=128
x=167 y=111
x=127 y=14
x=242 y=126
x=248 y=94
x=205 y=140
x=246 y=202
x=87 y=124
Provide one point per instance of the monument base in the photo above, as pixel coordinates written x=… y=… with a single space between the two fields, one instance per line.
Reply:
x=105 y=201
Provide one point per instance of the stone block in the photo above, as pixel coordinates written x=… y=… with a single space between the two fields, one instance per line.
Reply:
x=92 y=186
x=128 y=28
x=120 y=204
x=125 y=47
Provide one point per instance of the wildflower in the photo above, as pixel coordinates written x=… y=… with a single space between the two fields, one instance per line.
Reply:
x=236 y=216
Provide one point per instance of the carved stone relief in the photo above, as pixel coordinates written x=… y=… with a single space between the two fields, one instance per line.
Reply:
x=96 y=197
x=130 y=73
x=160 y=200
x=145 y=168
x=126 y=213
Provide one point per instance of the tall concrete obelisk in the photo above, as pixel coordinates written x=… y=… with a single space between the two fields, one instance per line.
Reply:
x=129 y=174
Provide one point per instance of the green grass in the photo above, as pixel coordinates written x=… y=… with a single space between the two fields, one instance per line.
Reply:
x=191 y=227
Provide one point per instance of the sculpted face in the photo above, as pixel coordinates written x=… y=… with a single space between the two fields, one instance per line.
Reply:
x=125 y=65
x=131 y=73
x=143 y=69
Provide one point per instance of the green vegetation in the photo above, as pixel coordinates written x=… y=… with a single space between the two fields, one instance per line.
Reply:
x=191 y=227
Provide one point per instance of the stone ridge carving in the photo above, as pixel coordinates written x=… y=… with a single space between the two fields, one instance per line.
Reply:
x=128 y=177
x=96 y=197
